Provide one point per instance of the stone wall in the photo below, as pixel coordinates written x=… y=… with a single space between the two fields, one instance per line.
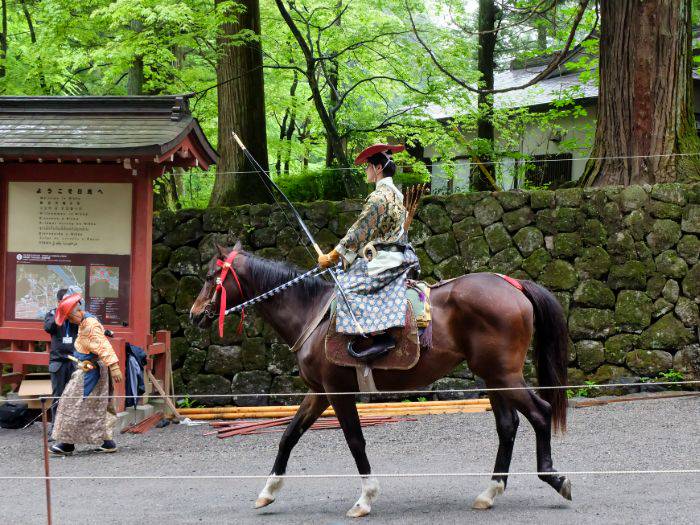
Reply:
x=623 y=262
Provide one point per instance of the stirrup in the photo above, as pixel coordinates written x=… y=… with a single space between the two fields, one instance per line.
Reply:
x=375 y=351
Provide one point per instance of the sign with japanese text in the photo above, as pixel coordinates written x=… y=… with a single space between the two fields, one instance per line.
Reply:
x=68 y=234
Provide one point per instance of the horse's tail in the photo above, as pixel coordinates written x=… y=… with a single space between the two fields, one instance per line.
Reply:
x=551 y=349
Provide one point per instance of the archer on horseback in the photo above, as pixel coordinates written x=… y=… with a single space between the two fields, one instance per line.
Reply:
x=376 y=259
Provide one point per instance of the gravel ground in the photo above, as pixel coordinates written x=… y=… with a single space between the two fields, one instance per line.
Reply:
x=651 y=434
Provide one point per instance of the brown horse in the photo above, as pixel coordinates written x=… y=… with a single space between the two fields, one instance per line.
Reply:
x=479 y=318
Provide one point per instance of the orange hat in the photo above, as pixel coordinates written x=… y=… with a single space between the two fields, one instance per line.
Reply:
x=387 y=149
x=65 y=307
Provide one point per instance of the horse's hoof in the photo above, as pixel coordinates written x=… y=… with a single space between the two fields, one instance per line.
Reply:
x=565 y=489
x=263 y=502
x=358 y=511
x=482 y=503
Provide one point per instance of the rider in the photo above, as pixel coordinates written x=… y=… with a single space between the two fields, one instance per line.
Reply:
x=376 y=258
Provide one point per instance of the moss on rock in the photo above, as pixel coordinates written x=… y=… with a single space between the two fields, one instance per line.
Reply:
x=595 y=294
x=687 y=312
x=633 y=198
x=559 y=275
x=631 y=275
x=506 y=261
x=567 y=245
x=664 y=234
x=441 y=247
x=670 y=264
x=435 y=217
x=594 y=233
x=536 y=262
x=633 y=310
x=467 y=229
x=540 y=199
x=689 y=248
x=691 y=283
x=649 y=362
x=475 y=253
x=488 y=211
x=617 y=347
x=497 y=237
x=528 y=239
x=512 y=199
x=668 y=333
x=591 y=323
x=516 y=219
x=594 y=262
x=590 y=354
x=449 y=268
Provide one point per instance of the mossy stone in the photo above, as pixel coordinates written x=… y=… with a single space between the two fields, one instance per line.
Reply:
x=345 y=220
x=559 y=275
x=497 y=237
x=594 y=262
x=665 y=210
x=567 y=245
x=638 y=224
x=467 y=229
x=462 y=371
x=661 y=307
x=318 y=212
x=441 y=247
x=595 y=294
x=689 y=248
x=426 y=263
x=568 y=219
x=193 y=364
x=287 y=385
x=569 y=197
x=163 y=317
x=264 y=237
x=185 y=261
x=540 y=199
x=564 y=299
x=179 y=348
x=184 y=234
x=281 y=360
x=649 y=362
x=199 y=337
x=692 y=193
x=633 y=310
x=621 y=243
x=475 y=253
x=670 y=264
x=187 y=292
x=449 y=268
x=668 y=333
x=687 y=362
x=418 y=233
x=165 y=283
x=575 y=376
x=633 y=198
x=458 y=206
x=251 y=382
x=691 y=283
x=617 y=347
x=612 y=216
x=691 y=219
x=655 y=285
x=217 y=219
x=669 y=192
x=223 y=360
x=528 y=239
x=435 y=217
x=210 y=384
x=594 y=233
x=687 y=312
x=664 y=234
x=536 y=262
x=671 y=291
x=488 y=211
x=300 y=257
x=512 y=199
x=609 y=374
x=506 y=261
x=231 y=335
x=591 y=323
x=590 y=354
x=253 y=354
x=160 y=255
x=516 y=219
x=631 y=275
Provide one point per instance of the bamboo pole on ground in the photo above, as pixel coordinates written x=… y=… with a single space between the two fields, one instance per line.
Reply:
x=328 y=413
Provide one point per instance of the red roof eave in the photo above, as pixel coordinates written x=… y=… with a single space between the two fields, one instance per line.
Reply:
x=187 y=154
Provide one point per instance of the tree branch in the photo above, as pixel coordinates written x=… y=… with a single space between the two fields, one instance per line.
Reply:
x=559 y=57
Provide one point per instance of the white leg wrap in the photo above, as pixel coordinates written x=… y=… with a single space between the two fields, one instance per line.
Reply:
x=485 y=499
x=268 y=494
x=370 y=491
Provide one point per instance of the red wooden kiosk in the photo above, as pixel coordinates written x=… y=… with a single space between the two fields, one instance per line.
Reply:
x=76 y=207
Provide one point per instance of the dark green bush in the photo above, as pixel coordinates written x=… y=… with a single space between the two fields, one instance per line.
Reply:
x=326 y=184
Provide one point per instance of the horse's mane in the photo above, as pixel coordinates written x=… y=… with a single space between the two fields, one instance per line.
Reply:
x=269 y=274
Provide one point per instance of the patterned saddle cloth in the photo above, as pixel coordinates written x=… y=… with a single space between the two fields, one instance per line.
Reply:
x=408 y=344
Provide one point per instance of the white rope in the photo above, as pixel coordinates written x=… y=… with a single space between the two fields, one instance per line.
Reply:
x=492 y=162
x=391 y=475
x=440 y=391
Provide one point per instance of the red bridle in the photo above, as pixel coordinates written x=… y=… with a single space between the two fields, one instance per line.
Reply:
x=220 y=288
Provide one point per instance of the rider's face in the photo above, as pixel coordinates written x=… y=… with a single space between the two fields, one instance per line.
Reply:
x=373 y=173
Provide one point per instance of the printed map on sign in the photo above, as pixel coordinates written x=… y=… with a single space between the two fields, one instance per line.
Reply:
x=104 y=282
x=37 y=284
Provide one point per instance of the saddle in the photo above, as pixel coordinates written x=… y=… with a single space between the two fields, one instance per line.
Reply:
x=408 y=338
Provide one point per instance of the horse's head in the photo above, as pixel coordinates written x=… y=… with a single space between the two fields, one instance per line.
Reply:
x=208 y=303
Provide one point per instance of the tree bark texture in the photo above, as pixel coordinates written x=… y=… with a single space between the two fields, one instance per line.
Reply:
x=486 y=64
x=241 y=106
x=645 y=101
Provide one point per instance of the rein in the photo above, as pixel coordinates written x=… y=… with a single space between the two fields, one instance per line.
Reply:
x=223 y=312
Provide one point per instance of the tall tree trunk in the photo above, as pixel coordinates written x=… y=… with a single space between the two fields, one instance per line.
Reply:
x=32 y=37
x=241 y=105
x=3 y=38
x=486 y=64
x=645 y=100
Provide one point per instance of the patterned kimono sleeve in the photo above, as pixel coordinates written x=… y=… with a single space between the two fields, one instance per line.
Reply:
x=97 y=341
x=365 y=228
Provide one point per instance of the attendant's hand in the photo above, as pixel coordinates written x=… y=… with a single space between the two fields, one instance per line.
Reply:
x=329 y=259
x=115 y=373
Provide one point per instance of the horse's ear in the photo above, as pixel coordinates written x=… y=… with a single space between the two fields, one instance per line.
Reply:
x=222 y=251
x=238 y=246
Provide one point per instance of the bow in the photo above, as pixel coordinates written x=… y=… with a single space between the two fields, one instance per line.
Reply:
x=265 y=177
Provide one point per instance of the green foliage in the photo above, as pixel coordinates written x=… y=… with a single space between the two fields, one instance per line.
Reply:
x=581 y=392
x=186 y=402
x=324 y=184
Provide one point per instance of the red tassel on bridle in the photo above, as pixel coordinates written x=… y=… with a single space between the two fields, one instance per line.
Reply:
x=220 y=288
